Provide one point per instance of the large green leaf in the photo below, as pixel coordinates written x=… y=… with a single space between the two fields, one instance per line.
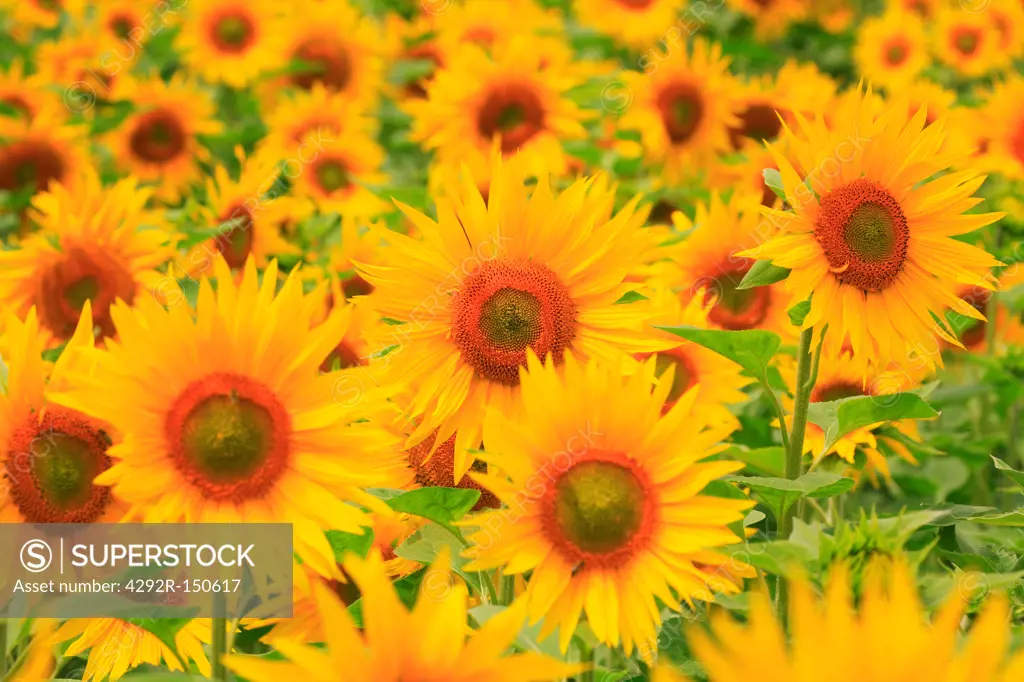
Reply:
x=763 y=273
x=344 y=543
x=751 y=349
x=443 y=506
x=1016 y=476
x=770 y=460
x=840 y=417
x=778 y=494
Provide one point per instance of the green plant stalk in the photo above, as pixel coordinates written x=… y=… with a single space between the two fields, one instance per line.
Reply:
x=3 y=648
x=219 y=648
x=508 y=589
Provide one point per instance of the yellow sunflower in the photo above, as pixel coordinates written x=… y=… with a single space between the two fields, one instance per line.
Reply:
x=605 y=491
x=505 y=100
x=640 y=24
x=127 y=24
x=86 y=67
x=968 y=42
x=25 y=95
x=891 y=49
x=489 y=280
x=684 y=109
x=771 y=18
x=340 y=175
x=232 y=41
x=31 y=14
x=35 y=152
x=744 y=173
x=489 y=25
x=937 y=100
x=331 y=43
x=158 y=143
x=887 y=638
x=1008 y=19
x=97 y=244
x=50 y=455
x=116 y=646
x=301 y=123
x=872 y=239
x=926 y=9
x=1004 y=152
x=436 y=642
x=709 y=268
x=246 y=364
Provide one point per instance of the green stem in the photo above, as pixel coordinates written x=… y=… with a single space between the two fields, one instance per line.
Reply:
x=780 y=414
x=3 y=648
x=508 y=589
x=586 y=656
x=219 y=646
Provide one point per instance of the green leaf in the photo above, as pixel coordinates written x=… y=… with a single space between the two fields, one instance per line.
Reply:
x=1016 y=476
x=773 y=180
x=631 y=297
x=778 y=494
x=840 y=417
x=426 y=543
x=443 y=506
x=751 y=349
x=344 y=543
x=762 y=273
x=151 y=677
x=778 y=557
x=798 y=313
x=770 y=460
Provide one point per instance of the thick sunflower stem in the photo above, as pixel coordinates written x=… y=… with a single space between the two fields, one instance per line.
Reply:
x=219 y=648
x=508 y=589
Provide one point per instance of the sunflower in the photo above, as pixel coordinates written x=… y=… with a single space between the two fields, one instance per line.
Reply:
x=684 y=109
x=436 y=643
x=926 y=9
x=892 y=49
x=300 y=124
x=491 y=25
x=126 y=23
x=50 y=455
x=116 y=646
x=330 y=43
x=619 y=520
x=159 y=141
x=489 y=280
x=35 y=152
x=771 y=18
x=973 y=336
x=886 y=639
x=87 y=67
x=872 y=239
x=1004 y=152
x=640 y=24
x=25 y=95
x=709 y=268
x=968 y=43
x=506 y=100
x=744 y=173
x=339 y=175
x=246 y=364
x=97 y=244
x=232 y=41
x=437 y=469
x=936 y=100
x=27 y=15
x=1008 y=19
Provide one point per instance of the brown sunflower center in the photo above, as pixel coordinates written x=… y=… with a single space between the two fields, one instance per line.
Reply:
x=966 y=40
x=757 y=122
x=731 y=307
x=356 y=286
x=326 y=62
x=974 y=334
x=233 y=33
x=18 y=103
x=864 y=235
x=836 y=390
x=332 y=176
x=236 y=235
x=599 y=510
x=343 y=356
x=505 y=307
x=51 y=466
x=514 y=111
x=49 y=5
x=29 y=163
x=635 y=4
x=159 y=137
x=82 y=275
x=121 y=25
x=681 y=109
x=685 y=376
x=438 y=470
x=228 y=436
x=896 y=52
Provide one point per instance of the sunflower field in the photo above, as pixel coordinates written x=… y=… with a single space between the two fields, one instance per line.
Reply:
x=574 y=340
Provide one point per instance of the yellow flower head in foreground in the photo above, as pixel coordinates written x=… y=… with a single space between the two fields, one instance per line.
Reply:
x=97 y=244
x=888 y=638
x=226 y=417
x=604 y=501
x=431 y=642
x=116 y=646
x=528 y=269
x=870 y=235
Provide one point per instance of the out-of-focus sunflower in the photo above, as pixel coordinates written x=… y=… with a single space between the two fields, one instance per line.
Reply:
x=50 y=455
x=622 y=521
x=302 y=122
x=489 y=25
x=86 y=67
x=968 y=42
x=97 y=244
x=36 y=152
x=116 y=646
x=480 y=99
x=232 y=41
x=771 y=18
x=892 y=49
x=25 y=95
x=718 y=381
x=684 y=109
x=744 y=172
x=937 y=100
x=926 y=9
x=331 y=43
x=1008 y=19
x=158 y=143
x=640 y=24
x=437 y=645
x=27 y=15
x=340 y=174
x=709 y=267
x=888 y=638
x=526 y=269
x=220 y=427
x=873 y=240
x=127 y=25
x=1004 y=152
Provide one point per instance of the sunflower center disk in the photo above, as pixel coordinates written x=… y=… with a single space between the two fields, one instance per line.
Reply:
x=836 y=390
x=864 y=235
x=236 y=242
x=332 y=176
x=83 y=275
x=229 y=437
x=599 y=507
x=505 y=307
x=324 y=63
x=757 y=122
x=51 y=468
x=158 y=137
x=29 y=164
x=896 y=54
x=513 y=111
x=967 y=42
x=681 y=111
x=733 y=308
x=233 y=34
